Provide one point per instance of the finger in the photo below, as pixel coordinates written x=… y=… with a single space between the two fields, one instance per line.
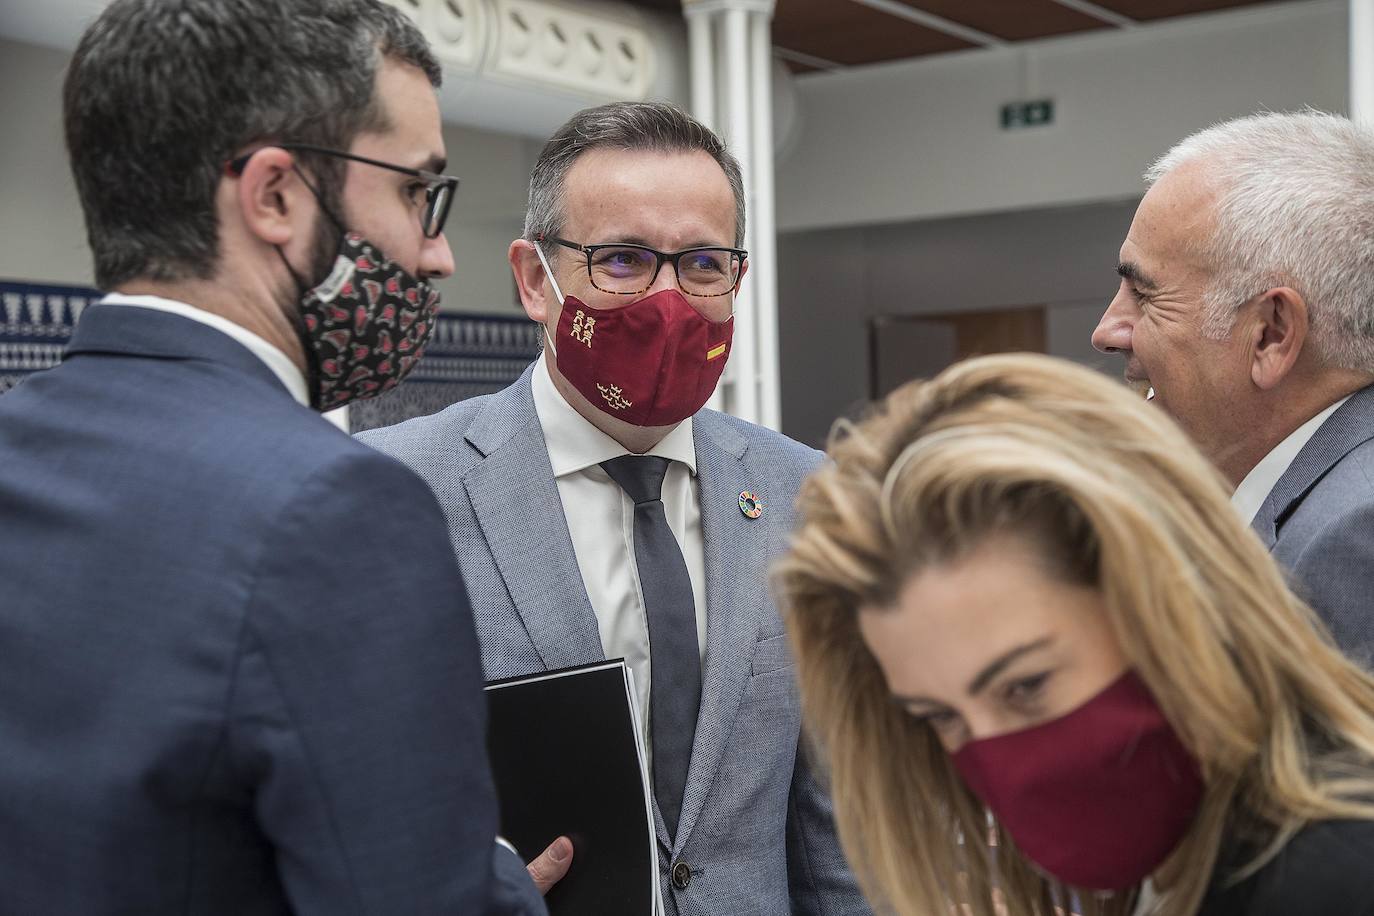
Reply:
x=551 y=865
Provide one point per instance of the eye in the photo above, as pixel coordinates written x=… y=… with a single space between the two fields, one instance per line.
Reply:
x=939 y=719
x=712 y=263
x=417 y=191
x=622 y=262
x=1026 y=691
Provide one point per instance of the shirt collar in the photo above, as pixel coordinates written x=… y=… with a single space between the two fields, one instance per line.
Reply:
x=575 y=444
x=1263 y=477
x=280 y=364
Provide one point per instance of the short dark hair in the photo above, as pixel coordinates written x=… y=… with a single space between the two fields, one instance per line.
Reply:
x=621 y=125
x=160 y=93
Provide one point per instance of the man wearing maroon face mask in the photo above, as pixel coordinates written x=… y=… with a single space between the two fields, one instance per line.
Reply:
x=598 y=510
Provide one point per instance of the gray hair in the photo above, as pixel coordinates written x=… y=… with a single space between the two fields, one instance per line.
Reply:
x=651 y=126
x=160 y=93
x=1294 y=207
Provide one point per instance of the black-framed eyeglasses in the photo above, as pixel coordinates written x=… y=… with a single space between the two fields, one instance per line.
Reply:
x=439 y=189
x=626 y=270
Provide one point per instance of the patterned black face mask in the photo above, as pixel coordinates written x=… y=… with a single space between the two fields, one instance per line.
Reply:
x=365 y=326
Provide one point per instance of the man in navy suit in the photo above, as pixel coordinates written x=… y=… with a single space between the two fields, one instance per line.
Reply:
x=240 y=673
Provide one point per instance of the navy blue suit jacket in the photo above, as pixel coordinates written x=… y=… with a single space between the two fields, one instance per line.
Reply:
x=238 y=670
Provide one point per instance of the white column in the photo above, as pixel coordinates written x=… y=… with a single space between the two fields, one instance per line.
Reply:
x=764 y=272
x=739 y=135
x=702 y=63
x=731 y=60
x=1362 y=61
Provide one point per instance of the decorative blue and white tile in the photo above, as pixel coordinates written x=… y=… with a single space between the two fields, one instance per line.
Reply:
x=36 y=322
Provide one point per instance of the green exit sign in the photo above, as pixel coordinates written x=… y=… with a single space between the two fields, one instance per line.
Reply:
x=1036 y=113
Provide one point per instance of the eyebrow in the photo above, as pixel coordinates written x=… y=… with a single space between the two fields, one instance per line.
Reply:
x=1131 y=271
x=990 y=671
x=999 y=665
x=644 y=243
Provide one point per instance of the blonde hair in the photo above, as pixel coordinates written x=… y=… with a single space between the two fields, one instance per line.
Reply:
x=1109 y=491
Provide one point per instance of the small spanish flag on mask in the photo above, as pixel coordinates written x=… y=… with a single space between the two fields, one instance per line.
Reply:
x=715 y=351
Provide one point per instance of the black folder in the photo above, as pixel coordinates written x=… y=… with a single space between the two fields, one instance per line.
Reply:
x=567 y=755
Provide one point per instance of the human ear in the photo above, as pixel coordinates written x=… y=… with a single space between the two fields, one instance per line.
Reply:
x=531 y=280
x=1281 y=324
x=743 y=269
x=272 y=198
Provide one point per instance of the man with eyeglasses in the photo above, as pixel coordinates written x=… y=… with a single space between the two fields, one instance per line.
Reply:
x=598 y=510
x=240 y=671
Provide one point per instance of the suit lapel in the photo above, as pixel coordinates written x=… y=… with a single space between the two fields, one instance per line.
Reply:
x=1350 y=425
x=736 y=600
x=515 y=498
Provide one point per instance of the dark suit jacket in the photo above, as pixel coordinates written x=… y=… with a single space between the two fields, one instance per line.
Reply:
x=1327 y=869
x=239 y=670
x=1318 y=522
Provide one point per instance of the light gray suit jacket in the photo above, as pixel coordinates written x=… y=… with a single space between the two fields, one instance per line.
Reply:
x=756 y=829
x=1318 y=521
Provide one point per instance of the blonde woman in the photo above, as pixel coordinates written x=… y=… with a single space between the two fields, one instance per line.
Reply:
x=1022 y=605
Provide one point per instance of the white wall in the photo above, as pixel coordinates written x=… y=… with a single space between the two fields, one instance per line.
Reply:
x=832 y=281
x=45 y=238
x=922 y=139
x=487 y=214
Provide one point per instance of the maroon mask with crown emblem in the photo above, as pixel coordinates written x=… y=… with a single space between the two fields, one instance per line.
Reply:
x=365 y=325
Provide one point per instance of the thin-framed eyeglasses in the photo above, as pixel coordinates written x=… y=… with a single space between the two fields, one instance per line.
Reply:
x=626 y=270
x=439 y=189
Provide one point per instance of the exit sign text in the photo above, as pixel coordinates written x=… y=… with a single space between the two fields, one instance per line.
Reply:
x=1037 y=113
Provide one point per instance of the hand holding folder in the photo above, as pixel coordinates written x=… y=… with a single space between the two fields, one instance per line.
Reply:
x=567 y=757
x=549 y=867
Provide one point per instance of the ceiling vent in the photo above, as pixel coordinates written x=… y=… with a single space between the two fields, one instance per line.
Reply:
x=525 y=66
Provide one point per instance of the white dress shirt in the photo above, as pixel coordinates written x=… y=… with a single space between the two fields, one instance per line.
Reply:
x=1263 y=477
x=276 y=360
x=601 y=521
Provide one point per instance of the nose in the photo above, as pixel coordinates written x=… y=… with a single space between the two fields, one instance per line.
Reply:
x=666 y=279
x=1113 y=331
x=436 y=258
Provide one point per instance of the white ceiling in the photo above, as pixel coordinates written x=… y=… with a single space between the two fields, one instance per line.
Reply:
x=475 y=100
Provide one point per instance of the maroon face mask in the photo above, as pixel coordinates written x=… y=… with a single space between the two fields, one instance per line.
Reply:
x=1097 y=798
x=654 y=362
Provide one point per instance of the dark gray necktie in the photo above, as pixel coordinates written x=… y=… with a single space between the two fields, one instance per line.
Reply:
x=674 y=658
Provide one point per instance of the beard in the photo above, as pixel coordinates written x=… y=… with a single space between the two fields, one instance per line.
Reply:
x=324 y=248
x=324 y=251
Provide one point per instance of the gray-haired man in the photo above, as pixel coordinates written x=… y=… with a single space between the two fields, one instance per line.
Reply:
x=1247 y=304
x=598 y=510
